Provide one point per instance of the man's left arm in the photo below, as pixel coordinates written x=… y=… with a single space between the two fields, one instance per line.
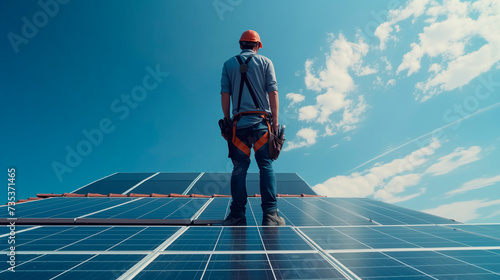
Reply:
x=274 y=102
x=226 y=104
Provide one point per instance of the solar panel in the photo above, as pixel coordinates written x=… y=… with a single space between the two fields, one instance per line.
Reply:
x=325 y=238
x=60 y=207
x=175 y=267
x=422 y=265
x=220 y=183
x=71 y=266
x=166 y=183
x=384 y=213
x=316 y=211
x=118 y=183
x=154 y=208
x=91 y=238
x=387 y=237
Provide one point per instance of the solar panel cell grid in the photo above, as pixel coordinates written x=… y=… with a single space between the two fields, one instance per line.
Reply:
x=316 y=211
x=92 y=238
x=487 y=230
x=303 y=266
x=238 y=266
x=154 y=208
x=239 y=239
x=402 y=214
x=62 y=207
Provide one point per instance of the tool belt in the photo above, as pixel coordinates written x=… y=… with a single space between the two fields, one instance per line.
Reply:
x=273 y=138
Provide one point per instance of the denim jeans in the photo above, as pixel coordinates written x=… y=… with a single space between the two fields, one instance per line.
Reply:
x=241 y=163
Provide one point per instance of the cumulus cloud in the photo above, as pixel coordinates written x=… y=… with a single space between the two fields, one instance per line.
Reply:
x=449 y=28
x=414 y=8
x=475 y=184
x=308 y=113
x=334 y=82
x=462 y=211
x=373 y=180
x=307 y=137
x=452 y=161
x=397 y=185
x=295 y=98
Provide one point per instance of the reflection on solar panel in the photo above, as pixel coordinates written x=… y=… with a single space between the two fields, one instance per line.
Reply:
x=178 y=237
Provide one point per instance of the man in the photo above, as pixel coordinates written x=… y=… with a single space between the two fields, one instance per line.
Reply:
x=249 y=83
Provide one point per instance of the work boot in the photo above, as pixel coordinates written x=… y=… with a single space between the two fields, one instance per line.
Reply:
x=272 y=219
x=233 y=221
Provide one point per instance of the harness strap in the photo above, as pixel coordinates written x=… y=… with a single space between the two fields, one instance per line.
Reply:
x=245 y=80
x=262 y=140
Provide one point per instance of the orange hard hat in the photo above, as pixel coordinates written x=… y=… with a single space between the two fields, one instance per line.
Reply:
x=251 y=36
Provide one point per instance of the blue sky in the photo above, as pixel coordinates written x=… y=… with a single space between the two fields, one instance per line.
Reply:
x=393 y=100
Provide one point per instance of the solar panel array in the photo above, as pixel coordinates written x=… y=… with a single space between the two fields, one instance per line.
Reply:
x=207 y=183
x=325 y=238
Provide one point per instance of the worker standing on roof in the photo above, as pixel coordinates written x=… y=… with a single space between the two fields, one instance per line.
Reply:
x=249 y=83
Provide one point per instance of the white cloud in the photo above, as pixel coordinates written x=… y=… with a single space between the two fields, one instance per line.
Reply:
x=450 y=27
x=388 y=65
x=475 y=184
x=337 y=107
x=308 y=136
x=364 y=70
x=462 y=211
x=391 y=82
x=452 y=161
x=334 y=79
x=310 y=80
x=308 y=113
x=397 y=185
x=378 y=82
x=295 y=98
x=414 y=8
x=370 y=181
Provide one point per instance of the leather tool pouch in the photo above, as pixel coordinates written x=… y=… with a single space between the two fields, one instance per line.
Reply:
x=275 y=143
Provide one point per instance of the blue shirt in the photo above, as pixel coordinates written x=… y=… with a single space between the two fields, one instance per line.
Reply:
x=261 y=75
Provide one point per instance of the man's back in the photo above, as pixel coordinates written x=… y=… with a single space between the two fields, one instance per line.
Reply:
x=262 y=78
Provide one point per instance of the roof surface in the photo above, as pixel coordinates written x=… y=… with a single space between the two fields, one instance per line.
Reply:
x=176 y=237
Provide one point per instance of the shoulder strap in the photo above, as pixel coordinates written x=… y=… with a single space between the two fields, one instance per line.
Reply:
x=244 y=79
